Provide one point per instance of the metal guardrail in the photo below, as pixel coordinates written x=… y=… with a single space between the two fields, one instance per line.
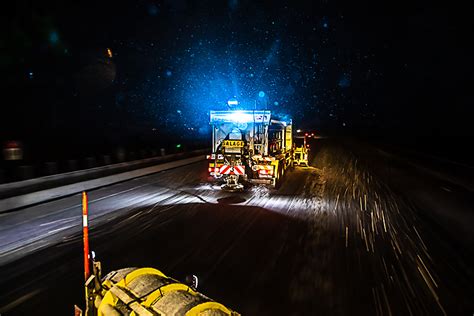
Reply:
x=28 y=192
x=42 y=183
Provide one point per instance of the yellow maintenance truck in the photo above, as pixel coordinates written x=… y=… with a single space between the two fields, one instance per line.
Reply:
x=300 y=150
x=146 y=292
x=249 y=146
x=139 y=291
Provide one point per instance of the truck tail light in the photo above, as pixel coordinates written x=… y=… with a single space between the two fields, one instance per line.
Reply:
x=265 y=171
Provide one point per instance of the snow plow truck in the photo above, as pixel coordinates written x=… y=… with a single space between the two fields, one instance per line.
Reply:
x=139 y=291
x=252 y=146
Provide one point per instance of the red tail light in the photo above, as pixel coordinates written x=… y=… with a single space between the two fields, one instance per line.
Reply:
x=265 y=171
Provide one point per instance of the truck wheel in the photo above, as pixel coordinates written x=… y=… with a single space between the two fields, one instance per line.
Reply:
x=277 y=182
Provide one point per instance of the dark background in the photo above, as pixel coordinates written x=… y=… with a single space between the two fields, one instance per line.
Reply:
x=399 y=72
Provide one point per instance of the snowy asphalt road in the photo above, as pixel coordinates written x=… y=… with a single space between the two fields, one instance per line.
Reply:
x=362 y=231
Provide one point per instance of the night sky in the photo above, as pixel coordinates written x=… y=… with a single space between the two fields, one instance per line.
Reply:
x=345 y=68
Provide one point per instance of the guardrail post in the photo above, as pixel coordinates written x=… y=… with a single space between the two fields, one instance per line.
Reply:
x=71 y=165
x=106 y=160
x=25 y=172
x=90 y=162
x=120 y=155
x=50 y=167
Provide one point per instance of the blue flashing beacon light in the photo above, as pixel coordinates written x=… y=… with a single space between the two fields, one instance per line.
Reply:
x=232 y=102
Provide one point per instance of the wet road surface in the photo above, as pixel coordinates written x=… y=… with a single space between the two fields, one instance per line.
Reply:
x=361 y=231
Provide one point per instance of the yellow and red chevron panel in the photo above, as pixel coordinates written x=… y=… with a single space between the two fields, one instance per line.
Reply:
x=237 y=170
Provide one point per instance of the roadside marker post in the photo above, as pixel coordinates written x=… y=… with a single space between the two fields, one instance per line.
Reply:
x=85 y=233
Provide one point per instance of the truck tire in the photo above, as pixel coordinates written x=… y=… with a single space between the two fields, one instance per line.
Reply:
x=278 y=179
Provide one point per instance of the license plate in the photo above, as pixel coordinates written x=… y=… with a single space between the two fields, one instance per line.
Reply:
x=233 y=143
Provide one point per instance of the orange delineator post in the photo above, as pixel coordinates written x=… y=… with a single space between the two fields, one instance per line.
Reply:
x=85 y=232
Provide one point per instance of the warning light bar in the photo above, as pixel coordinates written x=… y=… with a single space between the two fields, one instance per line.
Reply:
x=240 y=117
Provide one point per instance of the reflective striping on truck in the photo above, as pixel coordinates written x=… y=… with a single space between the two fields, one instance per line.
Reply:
x=238 y=169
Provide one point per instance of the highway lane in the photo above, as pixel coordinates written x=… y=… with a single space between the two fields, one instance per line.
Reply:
x=341 y=237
